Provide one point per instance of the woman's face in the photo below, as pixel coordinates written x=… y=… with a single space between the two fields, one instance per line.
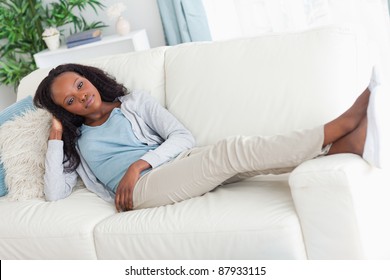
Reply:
x=76 y=94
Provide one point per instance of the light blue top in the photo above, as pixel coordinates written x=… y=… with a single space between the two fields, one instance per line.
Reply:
x=152 y=124
x=109 y=149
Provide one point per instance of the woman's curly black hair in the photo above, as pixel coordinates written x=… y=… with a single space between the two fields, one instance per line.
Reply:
x=106 y=85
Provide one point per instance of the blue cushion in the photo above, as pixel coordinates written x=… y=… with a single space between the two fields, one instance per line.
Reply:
x=3 y=188
x=8 y=114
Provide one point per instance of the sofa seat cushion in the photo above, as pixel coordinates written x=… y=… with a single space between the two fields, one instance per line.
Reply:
x=36 y=229
x=244 y=220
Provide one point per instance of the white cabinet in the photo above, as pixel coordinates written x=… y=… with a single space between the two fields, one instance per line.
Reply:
x=108 y=45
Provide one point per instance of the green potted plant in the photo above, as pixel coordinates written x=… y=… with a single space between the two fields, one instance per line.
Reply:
x=21 y=40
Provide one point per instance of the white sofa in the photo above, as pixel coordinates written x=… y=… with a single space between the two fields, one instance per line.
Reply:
x=333 y=207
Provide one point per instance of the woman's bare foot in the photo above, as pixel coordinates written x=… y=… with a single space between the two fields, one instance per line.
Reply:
x=348 y=121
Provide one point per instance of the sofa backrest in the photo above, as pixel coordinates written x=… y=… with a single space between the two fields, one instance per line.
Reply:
x=136 y=70
x=254 y=86
x=265 y=85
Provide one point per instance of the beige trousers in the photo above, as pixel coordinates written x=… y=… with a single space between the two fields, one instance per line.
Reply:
x=200 y=170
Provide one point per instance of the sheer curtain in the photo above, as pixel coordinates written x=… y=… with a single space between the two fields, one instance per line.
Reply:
x=236 y=18
x=242 y=18
x=183 y=21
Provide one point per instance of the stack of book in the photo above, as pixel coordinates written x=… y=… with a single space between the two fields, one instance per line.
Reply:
x=82 y=38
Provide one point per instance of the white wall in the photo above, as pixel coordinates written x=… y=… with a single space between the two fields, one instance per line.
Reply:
x=142 y=14
x=7 y=96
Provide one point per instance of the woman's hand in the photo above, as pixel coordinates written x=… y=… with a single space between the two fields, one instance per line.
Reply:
x=124 y=192
x=56 y=129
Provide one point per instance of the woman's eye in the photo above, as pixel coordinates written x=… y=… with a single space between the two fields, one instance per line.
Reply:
x=80 y=85
x=70 y=101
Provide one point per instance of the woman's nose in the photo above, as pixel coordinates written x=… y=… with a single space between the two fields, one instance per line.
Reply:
x=82 y=97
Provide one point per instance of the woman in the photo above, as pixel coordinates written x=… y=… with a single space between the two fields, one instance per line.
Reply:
x=129 y=149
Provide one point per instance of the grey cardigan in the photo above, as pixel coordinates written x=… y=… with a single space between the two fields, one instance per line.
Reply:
x=152 y=124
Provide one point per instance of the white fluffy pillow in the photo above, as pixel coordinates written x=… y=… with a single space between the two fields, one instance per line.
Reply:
x=23 y=146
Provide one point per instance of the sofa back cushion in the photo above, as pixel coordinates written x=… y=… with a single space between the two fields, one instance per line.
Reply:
x=136 y=70
x=142 y=70
x=265 y=85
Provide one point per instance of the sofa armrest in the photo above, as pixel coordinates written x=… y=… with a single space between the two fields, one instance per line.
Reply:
x=29 y=84
x=344 y=206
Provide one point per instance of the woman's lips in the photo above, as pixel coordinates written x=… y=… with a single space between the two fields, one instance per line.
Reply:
x=89 y=101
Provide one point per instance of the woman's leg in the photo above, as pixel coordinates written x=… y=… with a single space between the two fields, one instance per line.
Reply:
x=348 y=121
x=193 y=175
x=353 y=142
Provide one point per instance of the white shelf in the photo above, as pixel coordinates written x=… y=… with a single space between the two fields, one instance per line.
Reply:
x=109 y=45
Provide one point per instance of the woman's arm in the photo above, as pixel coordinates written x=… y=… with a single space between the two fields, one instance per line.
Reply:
x=58 y=184
x=176 y=137
x=55 y=130
x=124 y=192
